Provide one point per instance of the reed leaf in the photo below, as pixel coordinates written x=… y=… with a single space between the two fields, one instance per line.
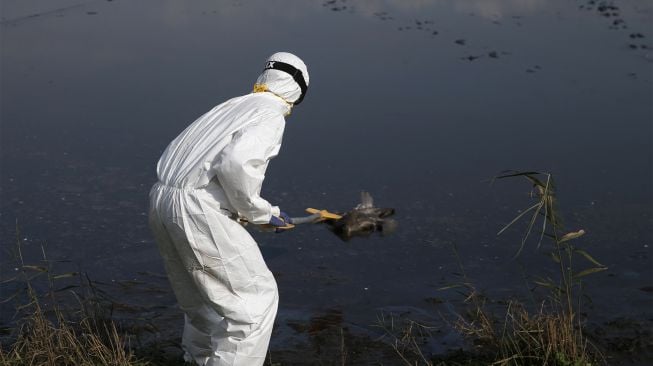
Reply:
x=547 y=284
x=572 y=235
x=555 y=257
x=449 y=287
x=66 y=288
x=589 y=257
x=518 y=217
x=514 y=173
x=12 y=279
x=529 y=229
x=65 y=275
x=10 y=297
x=589 y=271
x=536 y=182
x=35 y=268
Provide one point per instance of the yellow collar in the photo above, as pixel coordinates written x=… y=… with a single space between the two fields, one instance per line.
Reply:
x=262 y=88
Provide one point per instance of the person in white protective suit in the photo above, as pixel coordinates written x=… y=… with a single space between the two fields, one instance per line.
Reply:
x=210 y=178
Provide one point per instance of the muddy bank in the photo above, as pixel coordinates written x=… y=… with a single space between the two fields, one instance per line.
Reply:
x=326 y=340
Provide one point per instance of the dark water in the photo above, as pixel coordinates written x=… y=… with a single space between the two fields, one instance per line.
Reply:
x=418 y=102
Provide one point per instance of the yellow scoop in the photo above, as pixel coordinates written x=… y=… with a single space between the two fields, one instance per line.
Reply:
x=324 y=214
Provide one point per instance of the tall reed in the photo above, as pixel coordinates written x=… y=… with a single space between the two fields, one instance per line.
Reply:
x=549 y=332
x=552 y=333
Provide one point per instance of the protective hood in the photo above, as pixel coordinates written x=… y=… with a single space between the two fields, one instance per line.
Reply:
x=283 y=75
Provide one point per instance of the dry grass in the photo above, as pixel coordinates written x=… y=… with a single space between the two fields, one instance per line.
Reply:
x=64 y=341
x=406 y=338
x=48 y=334
x=41 y=341
x=547 y=336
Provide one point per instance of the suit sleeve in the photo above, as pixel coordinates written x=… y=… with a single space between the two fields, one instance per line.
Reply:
x=241 y=165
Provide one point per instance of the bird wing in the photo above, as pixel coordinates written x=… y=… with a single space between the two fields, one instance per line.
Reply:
x=366 y=201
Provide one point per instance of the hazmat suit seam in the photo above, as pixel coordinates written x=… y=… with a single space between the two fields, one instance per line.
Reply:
x=191 y=237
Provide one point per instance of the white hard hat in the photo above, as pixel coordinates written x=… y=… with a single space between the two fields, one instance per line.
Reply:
x=285 y=75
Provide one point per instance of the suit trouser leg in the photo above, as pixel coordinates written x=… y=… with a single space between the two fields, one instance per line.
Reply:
x=223 y=286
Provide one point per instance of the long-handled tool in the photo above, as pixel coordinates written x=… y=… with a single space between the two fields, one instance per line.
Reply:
x=314 y=217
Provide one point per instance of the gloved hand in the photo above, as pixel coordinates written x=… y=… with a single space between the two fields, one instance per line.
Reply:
x=280 y=221
x=285 y=217
x=277 y=221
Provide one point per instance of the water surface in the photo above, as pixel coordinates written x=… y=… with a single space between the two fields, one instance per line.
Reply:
x=418 y=102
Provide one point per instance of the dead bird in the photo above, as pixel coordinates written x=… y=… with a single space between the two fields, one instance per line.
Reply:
x=363 y=220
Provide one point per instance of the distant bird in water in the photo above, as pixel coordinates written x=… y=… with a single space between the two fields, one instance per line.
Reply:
x=363 y=220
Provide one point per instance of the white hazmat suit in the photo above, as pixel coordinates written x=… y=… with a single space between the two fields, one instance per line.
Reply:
x=209 y=176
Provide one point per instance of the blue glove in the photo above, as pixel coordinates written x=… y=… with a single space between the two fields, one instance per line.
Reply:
x=280 y=221
x=285 y=217
x=276 y=221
